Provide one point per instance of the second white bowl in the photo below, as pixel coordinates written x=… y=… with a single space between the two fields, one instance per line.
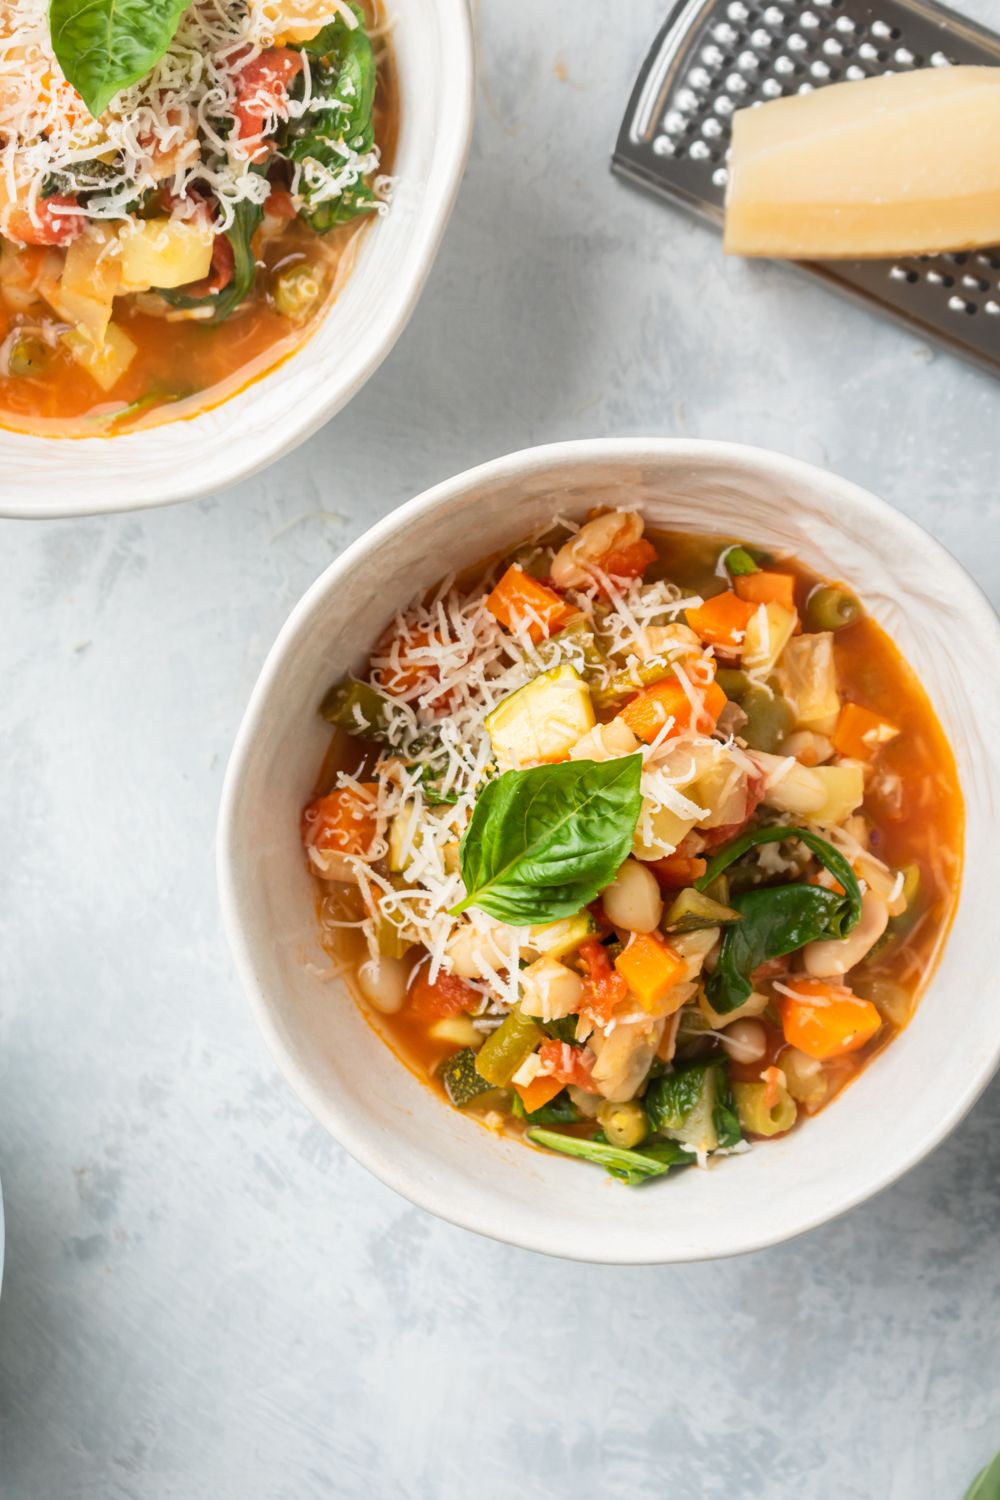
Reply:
x=68 y=477
x=900 y=1107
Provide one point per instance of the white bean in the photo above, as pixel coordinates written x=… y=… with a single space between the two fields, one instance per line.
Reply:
x=573 y=564
x=633 y=899
x=382 y=981
x=809 y=748
x=831 y=957
x=745 y=1041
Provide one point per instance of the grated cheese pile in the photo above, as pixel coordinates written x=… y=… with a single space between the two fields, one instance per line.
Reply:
x=161 y=132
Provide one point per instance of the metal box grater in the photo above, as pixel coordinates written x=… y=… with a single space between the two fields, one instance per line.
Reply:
x=715 y=56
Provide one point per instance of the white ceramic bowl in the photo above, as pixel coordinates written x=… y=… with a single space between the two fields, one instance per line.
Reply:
x=84 y=476
x=900 y=1107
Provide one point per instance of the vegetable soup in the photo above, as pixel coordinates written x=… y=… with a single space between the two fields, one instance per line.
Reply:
x=640 y=843
x=177 y=208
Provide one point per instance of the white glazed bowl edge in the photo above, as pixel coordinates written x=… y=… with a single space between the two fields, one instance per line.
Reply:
x=896 y=1112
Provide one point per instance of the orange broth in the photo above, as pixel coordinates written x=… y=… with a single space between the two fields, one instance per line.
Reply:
x=182 y=366
x=913 y=805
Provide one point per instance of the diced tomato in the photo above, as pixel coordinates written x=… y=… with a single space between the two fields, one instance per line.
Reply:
x=603 y=988
x=56 y=226
x=570 y=1065
x=408 y=664
x=631 y=561
x=677 y=870
x=446 y=996
x=279 y=204
x=262 y=92
x=343 y=822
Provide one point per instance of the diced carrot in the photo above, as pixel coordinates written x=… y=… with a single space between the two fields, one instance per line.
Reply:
x=678 y=870
x=721 y=621
x=648 y=711
x=519 y=599
x=539 y=1091
x=766 y=588
x=570 y=1065
x=409 y=662
x=631 y=561
x=826 y=1020
x=650 y=968
x=603 y=987
x=860 y=733
x=446 y=996
x=343 y=822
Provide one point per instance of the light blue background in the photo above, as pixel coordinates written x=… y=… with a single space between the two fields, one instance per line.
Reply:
x=204 y=1296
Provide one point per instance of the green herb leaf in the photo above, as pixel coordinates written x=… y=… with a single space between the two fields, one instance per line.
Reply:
x=986 y=1486
x=543 y=843
x=559 y=1111
x=345 y=75
x=247 y=216
x=777 y=919
x=670 y=1099
x=632 y=1167
x=104 y=46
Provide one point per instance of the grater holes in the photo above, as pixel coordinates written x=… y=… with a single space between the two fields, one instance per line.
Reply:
x=959 y=304
x=975 y=283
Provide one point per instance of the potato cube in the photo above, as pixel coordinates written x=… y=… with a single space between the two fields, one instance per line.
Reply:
x=108 y=362
x=164 y=253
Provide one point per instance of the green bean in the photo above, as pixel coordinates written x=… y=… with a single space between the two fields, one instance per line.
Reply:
x=769 y=718
x=831 y=608
x=503 y=1053
x=739 y=562
x=760 y=1118
x=734 y=683
x=625 y=1125
x=296 y=291
x=358 y=708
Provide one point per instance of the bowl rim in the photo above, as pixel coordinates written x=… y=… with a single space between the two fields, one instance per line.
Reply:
x=400 y=302
x=545 y=1238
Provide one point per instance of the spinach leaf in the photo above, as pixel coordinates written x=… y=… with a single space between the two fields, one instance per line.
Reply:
x=559 y=1111
x=344 y=76
x=542 y=843
x=777 y=919
x=563 y=1028
x=725 y=1117
x=632 y=1167
x=986 y=1486
x=829 y=857
x=104 y=46
x=246 y=217
x=670 y=1099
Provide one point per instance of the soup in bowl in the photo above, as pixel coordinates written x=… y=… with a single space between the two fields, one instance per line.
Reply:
x=637 y=841
x=221 y=228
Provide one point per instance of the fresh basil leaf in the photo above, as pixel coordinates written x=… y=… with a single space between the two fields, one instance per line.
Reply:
x=246 y=217
x=543 y=843
x=777 y=919
x=986 y=1486
x=104 y=46
x=632 y=1167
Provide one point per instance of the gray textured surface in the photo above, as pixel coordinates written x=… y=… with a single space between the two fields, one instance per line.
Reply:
x=203 y=1295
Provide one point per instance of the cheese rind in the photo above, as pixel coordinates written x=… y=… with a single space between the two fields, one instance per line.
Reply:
x=899 y=165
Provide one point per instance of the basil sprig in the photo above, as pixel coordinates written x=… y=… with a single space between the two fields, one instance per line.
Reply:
x=104 y=46
x=543 y=843
x=777 y=919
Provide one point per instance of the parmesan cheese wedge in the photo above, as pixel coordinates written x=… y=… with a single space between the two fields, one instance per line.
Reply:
x=901 y=165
